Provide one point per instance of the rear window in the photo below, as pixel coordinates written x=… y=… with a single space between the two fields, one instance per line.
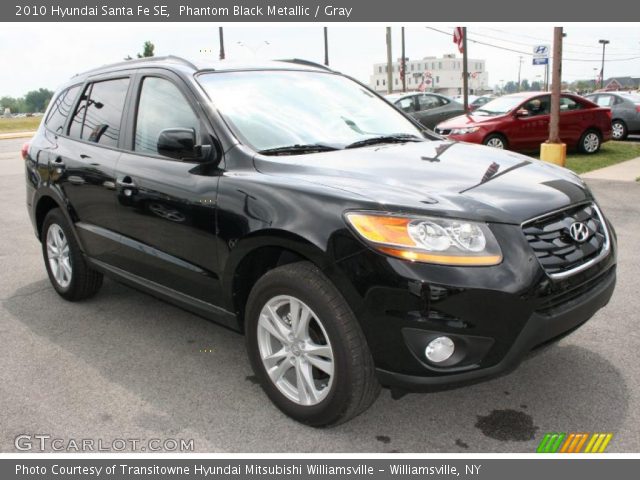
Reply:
x=632 y=97
x=99 y=114
x=61 y=108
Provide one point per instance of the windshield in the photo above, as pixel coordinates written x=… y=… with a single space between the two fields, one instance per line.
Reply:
x=275 y=109
x=499 y=106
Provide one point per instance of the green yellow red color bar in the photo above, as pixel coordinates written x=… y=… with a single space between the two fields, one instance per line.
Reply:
x=574 y=443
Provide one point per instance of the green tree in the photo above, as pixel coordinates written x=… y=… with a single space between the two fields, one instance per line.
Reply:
x=148 y=50
x=536 y=86
x=524 y=86
x=37 y=100
x=510 y=87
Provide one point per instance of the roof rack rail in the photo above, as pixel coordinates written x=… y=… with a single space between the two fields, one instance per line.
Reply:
x=136 y=61
x=308 y=63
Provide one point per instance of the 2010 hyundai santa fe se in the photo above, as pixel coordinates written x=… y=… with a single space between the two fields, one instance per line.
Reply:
x=284 y=200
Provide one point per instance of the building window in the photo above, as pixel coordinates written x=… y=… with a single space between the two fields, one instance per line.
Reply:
x=377 y=83
x=383 y=82
x=437 y=79
x=439 y=65
x=379 y=69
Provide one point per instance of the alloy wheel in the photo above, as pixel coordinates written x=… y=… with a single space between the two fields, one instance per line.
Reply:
x=58 y=255
x=617 y=130
x=591 y=142
x=495 y=142
x=295 y=350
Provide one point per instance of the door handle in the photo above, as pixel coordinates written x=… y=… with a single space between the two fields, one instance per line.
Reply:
x=58 y=165
x=126 y=182
x=127 y=185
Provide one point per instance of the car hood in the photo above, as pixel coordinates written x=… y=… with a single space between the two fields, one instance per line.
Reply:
x=450 y=178
x=467 y=120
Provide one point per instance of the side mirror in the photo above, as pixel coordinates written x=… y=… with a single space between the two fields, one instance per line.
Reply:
x=180 y=143
x=522 y=113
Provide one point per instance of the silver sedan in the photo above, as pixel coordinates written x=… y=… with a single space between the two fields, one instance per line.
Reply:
x=625 y=111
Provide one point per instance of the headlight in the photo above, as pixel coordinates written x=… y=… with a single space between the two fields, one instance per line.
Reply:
x=464 y=131
x=428 y=239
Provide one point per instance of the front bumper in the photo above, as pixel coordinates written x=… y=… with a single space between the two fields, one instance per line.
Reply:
x=538 y=330
x=496 y=315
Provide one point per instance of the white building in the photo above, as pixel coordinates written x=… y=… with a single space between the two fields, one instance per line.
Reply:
x=441 y=75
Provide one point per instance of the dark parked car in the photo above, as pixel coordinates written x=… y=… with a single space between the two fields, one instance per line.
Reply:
x=428 y=108
x=520 y=122
x=351 y=247
x=480 y=101
x=625 y=112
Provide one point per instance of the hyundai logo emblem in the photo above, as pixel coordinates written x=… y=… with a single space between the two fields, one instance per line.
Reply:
x=579 y=232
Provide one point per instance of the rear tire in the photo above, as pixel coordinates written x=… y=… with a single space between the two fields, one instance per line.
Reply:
x=68 y=271
x=338 y=382
x=590 y=142
x=619 y=130
x=496 y=140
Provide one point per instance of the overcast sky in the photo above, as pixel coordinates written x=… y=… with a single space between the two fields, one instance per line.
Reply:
x=45 y=55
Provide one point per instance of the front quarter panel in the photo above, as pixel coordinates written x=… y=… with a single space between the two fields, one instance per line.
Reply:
x=258 y=210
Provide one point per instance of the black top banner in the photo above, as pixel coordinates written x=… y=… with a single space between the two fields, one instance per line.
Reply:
x=324 y=11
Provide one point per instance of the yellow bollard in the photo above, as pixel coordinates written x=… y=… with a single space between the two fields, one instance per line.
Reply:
x=554 y=153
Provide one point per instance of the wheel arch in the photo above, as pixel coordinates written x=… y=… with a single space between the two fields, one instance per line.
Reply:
x=260 y=252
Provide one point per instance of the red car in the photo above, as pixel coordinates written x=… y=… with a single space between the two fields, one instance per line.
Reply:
x=520 y=121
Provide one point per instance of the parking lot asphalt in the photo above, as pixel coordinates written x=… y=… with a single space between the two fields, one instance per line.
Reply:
x=124 y=365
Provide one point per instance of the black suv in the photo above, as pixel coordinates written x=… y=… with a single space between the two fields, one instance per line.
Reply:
x=289 y=202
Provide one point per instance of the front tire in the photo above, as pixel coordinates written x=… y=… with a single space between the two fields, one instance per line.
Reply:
x=68 y=271
x=590 y=142
x=307 y=348
x=496 y=140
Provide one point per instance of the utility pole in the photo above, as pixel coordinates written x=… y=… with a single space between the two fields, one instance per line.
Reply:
x=465 y=71
x=326 y=47
x=403 y=68
x=389 y=62
x=553 y=150
x=546 y=76
x=519 y=70
x=604 y=44
x=221 y=43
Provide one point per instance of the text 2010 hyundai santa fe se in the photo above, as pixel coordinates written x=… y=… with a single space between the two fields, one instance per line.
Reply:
x=291 y=203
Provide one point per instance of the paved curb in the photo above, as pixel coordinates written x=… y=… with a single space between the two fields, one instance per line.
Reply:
x=12 y=135
x=626 y=171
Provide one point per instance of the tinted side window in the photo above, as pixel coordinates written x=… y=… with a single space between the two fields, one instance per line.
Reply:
x=61 y=109
x=405 y=104
x=567 y=104
x=604 y=100
x=427 y=102
x=99 y=114
x=538 y=106
x=162 y=105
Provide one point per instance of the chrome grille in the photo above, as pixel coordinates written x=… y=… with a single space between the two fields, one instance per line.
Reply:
x=560 y=254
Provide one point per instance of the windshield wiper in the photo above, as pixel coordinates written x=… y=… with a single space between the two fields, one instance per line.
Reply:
x=298 y=148
x=398 y=138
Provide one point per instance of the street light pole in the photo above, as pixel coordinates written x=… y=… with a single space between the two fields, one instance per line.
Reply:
x=389 y=63
x=404 y=65
x=465 y=72
x=604 y=44
x=519 y=71
x=326 y=47
x=221 y=43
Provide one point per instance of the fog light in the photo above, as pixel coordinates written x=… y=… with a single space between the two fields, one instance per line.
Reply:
x=439 y=349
